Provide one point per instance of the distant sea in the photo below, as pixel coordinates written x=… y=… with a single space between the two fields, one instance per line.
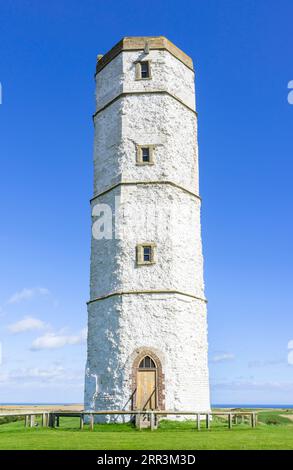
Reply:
x=38 y=404
x=214 y=405
x=252 y=405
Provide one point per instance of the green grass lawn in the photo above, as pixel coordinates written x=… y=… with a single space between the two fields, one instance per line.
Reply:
x=272 y=432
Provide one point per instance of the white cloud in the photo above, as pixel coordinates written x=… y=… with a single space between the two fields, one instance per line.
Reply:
x=83 y=334
x=26 y=294
x=34 y=375
x=266 y=363
x=37 y=373
x=290 y=344
x=222 y=357
x=57 y=340
x=251 y=384
x=4 y=377
x=26 y=324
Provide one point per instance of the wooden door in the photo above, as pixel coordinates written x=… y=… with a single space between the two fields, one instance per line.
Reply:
x=146 y=390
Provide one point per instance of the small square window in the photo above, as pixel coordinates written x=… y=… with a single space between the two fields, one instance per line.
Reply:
x=145 y=253
x=143 y=70
x=145 y=154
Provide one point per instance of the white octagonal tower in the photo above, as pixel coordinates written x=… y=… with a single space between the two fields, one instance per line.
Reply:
x=147 y=323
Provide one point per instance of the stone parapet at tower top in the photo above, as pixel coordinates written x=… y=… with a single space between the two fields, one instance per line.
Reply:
x=147 y=325
x=180 y=84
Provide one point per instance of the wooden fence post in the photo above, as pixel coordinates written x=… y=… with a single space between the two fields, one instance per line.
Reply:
x=51 y=420
x=91 y=422
x=45 y=420
x=230 y=420
x=152 y=418
x=32 y=420
x=81 y=424
x=198 y=421
x=207 y=421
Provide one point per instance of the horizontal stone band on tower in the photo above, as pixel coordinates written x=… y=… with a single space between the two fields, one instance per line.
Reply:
x=141 y=292
x=144 y=92
x=134 y=183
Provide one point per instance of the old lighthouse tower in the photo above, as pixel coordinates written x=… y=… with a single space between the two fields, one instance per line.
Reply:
x=147 y=323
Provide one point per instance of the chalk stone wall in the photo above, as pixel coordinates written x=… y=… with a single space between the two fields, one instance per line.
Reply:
x=165 y=211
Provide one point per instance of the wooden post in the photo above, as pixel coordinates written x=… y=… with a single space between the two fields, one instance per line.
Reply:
x=152 y=418
x=57 y=421
x=230 y=420
x=198 y=421
x=32 y=420
x=81 y=424
x=51 y=420
x=91 y=422
x=207 y=421
x=253 y=420
x=44 y=420
x=26 y=421
x=138 y=417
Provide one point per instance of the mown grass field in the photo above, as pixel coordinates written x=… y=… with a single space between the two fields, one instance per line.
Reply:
x=274 y=431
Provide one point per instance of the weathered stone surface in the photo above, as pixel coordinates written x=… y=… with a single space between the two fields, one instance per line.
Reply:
x=160 y=307
x=157 y=119
x=139 y=43
x=172 y=325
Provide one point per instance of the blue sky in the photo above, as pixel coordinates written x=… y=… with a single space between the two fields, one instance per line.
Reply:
x=242 y=52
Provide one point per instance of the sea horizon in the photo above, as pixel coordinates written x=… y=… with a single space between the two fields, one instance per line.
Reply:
x=213 y=405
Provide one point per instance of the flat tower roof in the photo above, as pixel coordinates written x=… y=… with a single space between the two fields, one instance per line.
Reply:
x=136 y=43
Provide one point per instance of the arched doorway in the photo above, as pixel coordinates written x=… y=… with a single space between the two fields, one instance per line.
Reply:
x=146 y=392
x=148 y=381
